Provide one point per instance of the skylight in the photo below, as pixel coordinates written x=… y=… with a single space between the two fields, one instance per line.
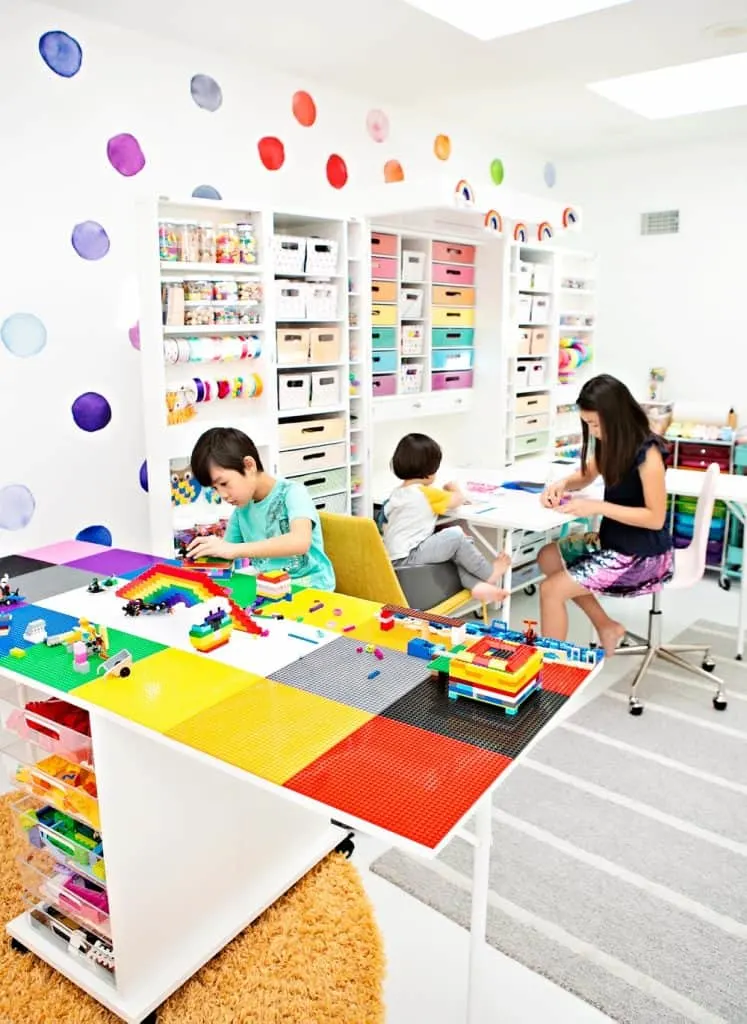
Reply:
x=491 y=19
x=706 y=85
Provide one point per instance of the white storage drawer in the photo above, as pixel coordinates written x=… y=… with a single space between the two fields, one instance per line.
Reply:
x=317 y=431
x=528 y=552
x=325 y=482
x=294 y=390
x=531 y=424
x=332 y=503
x=526 y=404
x=410 y=303
x=312 y=460
x=325 y=388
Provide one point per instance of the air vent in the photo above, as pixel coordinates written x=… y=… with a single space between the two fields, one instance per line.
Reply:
x=662 y=222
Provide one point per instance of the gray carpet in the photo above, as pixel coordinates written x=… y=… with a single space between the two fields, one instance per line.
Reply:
x=619 y=865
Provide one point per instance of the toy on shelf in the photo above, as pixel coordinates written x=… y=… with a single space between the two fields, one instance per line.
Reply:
x=8 y=596
x=491 y=670
x=119 y=665
x=213 y=631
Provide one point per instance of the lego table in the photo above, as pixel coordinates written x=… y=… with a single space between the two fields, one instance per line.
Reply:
x=222 y=778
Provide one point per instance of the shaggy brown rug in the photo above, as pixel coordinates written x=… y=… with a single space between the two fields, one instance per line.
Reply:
x=315 y=957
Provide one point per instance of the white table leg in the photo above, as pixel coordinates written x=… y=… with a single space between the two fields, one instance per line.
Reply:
x=480 y=889
x=740 y=512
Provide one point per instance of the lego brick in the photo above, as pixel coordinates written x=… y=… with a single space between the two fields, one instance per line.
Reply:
x=339 y=672
x=65 y=551
x=55 y=579
x=410 y=782
x=114 y=562
x=242 y=587
x=56 y=622
x=397 y=638
x=441 y=620
x=167 y=688
x=19 y=565
x=428 y=706
x=560 y=677
x=269 y=729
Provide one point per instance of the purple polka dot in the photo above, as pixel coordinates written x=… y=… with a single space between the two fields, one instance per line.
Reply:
x=144 y=476
x=91 y=411
x=95 y=535
x=206 y=192
x=125 y=154
x=134 y=336
x=61 y=53
x=90 y=240
x=206 y=92
x=17 y=507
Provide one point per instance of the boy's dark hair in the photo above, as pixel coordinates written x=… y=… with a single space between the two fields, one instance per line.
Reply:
x=416 y=456
x=224 y=448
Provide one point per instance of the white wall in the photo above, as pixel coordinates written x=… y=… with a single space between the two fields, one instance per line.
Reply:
x=673 y=301
x=55 y=173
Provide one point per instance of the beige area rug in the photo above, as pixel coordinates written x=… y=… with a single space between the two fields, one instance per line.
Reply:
x=315 y=957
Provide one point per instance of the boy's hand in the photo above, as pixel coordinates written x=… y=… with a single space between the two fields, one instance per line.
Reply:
x=211 y=547
x=451 y=486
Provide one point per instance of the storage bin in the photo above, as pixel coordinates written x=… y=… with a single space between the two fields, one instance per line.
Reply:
x=452 y=316
x=740 y=455
x=383 y=362
x=529 y=444
x=412 y=339
x=321 y=256
x=698 y=450
x=537 y=374
x=316 y=431
x=452 y=358
x=532 y=424
x=410 y=379
x=294 y=390
x=321 y=300
x=325 y=482
x=63 y=837
x=525 y=575
x=65 y=889
x=531 y=404
x=525 y=276
x=288 y=254
x=383 y=245
x=67 y=786
x=447 y=273
x=453 y=252
x=524 y=309
x=383 y=269
x=33 y=725
x=524 y=343
x=542 y=277
x=445 y=337
x=325 y=388
x=383 y=291
x=447 y=381
x=540 y=310
x=413 y=266
x=527 y=552
x=539 y=341
x=292 y=346
x=521 y=375
x=324 y=344
x=384 y=385
x=290 y=300
x=383 y=337
x=410 y=304
x=444 y=296
x=332 y=503
x=312 y=460
x=384 y=316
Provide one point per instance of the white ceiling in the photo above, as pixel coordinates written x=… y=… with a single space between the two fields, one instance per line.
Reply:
x=530 y=87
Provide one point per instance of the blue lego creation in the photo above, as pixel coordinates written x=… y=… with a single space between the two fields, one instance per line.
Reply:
x=419 y=648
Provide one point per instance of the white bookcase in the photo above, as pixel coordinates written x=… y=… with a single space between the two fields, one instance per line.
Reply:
x=284 y=378
x=576 y=277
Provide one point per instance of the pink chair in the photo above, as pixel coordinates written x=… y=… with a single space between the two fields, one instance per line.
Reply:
x=689 y=566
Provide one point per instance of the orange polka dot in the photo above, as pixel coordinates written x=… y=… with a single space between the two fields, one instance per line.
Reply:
x=304 y=109
x=442 y=147
x=393 y=171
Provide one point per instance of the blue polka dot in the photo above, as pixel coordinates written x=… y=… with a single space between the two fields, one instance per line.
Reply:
x=23 y=334
x=91 y=411
x=90 y=240
x=206 y=92
x=17 y=507
x=550 y=174
x=144 y=476
x=206 y=192
x=95 y=535
x=61 y=53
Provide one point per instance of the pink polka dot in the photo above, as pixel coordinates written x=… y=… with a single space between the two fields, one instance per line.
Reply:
x=134 y=336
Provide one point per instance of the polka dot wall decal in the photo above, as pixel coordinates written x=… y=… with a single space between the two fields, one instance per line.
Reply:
x=206 y=192
x=497 y=172
x=304 y=108
x=549 y=174
x=143 y=476
x=377 y=125
x=393 y=171
x=90 y=240
x=17 y=506
x=95 y=535
x=134 y=336
x=442 y=147
x=125 y=154
x=23 y=334
x=206 y=92
x=337 y=171
x=271 y=152
x=61 y=53
x=91 y=411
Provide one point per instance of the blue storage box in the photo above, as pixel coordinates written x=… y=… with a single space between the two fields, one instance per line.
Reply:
x=452 y=358
x=383 y=362
x=453 y=337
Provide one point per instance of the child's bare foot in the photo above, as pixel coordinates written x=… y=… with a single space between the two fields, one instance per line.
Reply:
x=500 y=565
x=611 y=636
x=488 y=593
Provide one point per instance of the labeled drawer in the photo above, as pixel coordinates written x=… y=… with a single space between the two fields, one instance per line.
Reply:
x=324 y=344
x=383 y=362
x=447 y=273
x=317 y=484
x=528 y=552
x=36 y=723
x=308 y=460
x=382 y=268
x=452 y=316
x=384 y=291
x=294 y=390
x=531 y=443
x=444 y=296
x=448 y=380
x=332 y=503
x=385 y=316
x=384 y=385
x=453 y=252
x=526 y=404
x=292 y=346
x=301 y=432
x=539 y=341
x=383 y=337
x=452 y=358
x=445 y=337
x=325 y=388
x=63 y=837
x=383 y=245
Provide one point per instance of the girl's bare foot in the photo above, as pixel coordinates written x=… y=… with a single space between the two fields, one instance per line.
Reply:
x=500 y=565
x=610 y=636
x=488 y=593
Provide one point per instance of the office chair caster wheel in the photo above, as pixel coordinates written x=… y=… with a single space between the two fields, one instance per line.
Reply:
x=708 y=665
x=151 y=1018
x=738 y=657
x=636 y=708
x=531 y=590
x=346 y=847
x=17 y=946
x=719 y=703
x=725 y=583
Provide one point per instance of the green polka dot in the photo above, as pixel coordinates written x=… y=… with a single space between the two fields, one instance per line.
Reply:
x=497 y=172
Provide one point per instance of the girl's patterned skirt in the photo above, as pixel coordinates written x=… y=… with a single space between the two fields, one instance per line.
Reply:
x=610 y=572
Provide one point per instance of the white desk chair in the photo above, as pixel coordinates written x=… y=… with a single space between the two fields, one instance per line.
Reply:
x=689 y=566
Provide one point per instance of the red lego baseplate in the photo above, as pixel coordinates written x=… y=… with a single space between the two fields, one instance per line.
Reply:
x=560 y=677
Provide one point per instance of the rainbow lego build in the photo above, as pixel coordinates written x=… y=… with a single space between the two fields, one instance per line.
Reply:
x=274 y=585
x=214 y=631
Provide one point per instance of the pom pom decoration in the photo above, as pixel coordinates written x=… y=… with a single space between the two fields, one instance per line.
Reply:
x=573 y=355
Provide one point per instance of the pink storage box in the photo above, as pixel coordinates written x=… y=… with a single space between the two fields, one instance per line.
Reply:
x=383 y=245
x=448 y=273
x=385 y=384
x=383 y=269
x=453 y=252
x=451 y=379
x=50 y=735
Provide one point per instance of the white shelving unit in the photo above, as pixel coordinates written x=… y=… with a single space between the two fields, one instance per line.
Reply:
x=359 y=316
x=576 y=275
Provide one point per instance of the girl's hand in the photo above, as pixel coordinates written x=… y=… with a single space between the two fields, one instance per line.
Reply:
x=553 y=494
x=581 y=508
x=211 y=547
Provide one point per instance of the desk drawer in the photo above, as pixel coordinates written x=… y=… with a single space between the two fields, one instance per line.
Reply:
x=383 y=338
x=384 y=362
x=446 y=273
x=528 y=552
x=383 y=268
x=458 y=337
x=525 y=575
x=303 y=432
x=384 y=316
x=532 y=424
x=698 y=455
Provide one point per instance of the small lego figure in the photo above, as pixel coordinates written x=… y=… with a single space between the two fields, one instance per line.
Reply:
x=530 y=631
x=5 y=585
x=94 y=587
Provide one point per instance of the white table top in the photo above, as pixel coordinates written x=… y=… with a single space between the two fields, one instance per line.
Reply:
x=689 y=482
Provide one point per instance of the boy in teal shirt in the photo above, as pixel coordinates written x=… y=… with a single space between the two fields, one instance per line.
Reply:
x=274 y=522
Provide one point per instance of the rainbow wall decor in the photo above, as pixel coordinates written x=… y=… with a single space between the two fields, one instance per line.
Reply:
x=494 y=222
